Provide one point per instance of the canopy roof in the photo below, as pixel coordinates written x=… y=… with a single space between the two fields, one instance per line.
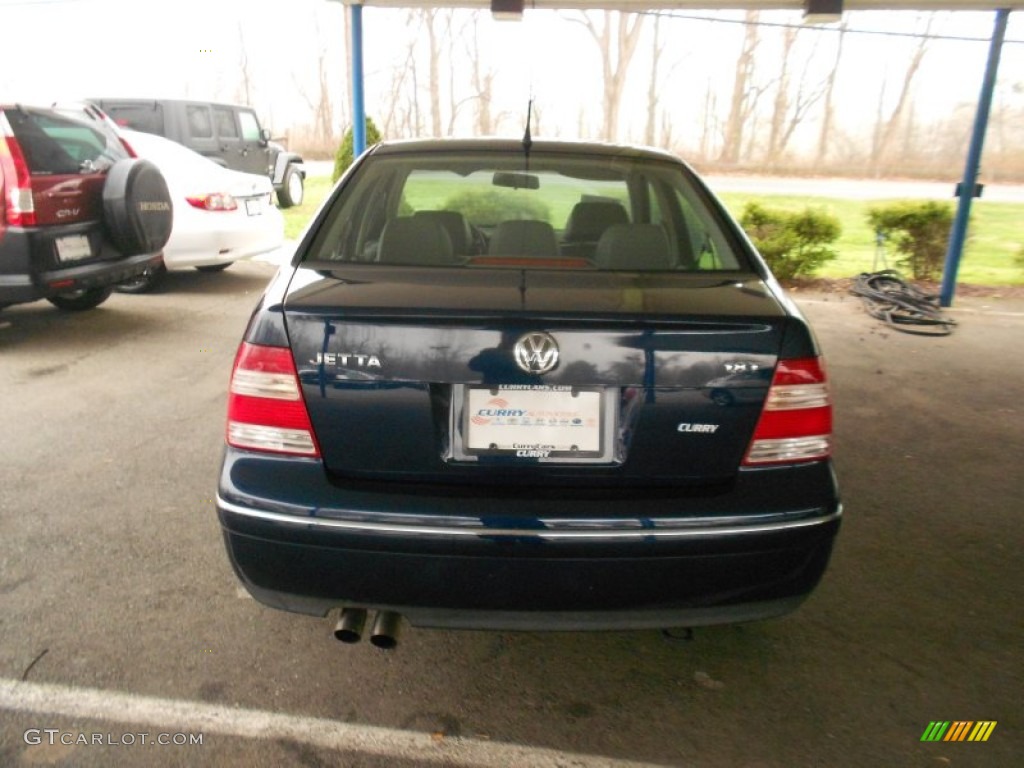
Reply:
x=647 y=5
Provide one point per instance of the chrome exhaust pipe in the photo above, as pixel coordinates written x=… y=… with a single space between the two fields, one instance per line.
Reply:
x=349 y=628
x=385 y=630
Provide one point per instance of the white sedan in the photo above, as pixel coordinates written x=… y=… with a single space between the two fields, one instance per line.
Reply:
x=220 y=215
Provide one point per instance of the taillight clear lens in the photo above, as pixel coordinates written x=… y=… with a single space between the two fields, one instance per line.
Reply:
x=215 y=201
x=796 y=423
x=266 y=411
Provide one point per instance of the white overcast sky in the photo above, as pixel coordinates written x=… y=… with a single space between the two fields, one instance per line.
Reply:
x=61 y=49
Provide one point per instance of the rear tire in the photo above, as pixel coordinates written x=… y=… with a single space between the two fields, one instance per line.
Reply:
x=214 y=267
x=292 y=189
x=77 y=301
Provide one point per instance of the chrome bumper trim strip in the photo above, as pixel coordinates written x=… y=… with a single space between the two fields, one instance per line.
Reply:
x=561 y=530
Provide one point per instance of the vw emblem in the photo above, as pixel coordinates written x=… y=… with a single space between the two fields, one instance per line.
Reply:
x=536 y=353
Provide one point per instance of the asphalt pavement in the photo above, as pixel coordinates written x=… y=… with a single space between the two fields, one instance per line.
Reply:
x=123 y=626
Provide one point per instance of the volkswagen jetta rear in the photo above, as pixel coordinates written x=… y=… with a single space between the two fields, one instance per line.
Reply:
x=539 y=386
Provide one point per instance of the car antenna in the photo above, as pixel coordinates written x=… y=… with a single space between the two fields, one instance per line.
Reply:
x=527 y=140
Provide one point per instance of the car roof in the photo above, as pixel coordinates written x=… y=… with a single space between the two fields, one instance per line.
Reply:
x=136 y=100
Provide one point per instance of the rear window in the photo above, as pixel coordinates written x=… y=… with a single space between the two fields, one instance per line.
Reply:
x=148 y=118
x=500 y=210
x=56 y=144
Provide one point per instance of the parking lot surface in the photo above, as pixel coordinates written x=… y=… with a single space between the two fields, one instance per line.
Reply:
x=120 y=615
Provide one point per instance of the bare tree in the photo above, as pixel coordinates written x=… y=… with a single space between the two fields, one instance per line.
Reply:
x=658 y=49
x=437 y=24
x=709 y=127
x=1006 y=151
x=483 y=89
x=402 y=113
x=792 y=103
x=885 y=127
x=481 y=80
x=616 y=38
x=455 y=104
x=320 y=105
x=781 y=106
x=828 y=113
x=745 y=94
x=429 y=15
x=245 y=84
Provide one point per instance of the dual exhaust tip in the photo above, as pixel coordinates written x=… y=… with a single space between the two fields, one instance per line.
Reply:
x=383 y=634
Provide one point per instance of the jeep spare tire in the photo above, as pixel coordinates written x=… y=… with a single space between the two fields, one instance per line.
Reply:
x=137 y=207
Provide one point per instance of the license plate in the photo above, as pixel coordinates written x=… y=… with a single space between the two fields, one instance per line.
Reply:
x=253 y=207
x=73 y=248
x=534 y=422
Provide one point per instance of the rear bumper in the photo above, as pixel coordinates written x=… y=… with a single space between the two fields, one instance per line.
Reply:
x=236 y=237
x=28 y=271
x=505 y=563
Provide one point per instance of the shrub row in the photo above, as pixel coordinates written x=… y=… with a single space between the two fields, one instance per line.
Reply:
x=797 y=244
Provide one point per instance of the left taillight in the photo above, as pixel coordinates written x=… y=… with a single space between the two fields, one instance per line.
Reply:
x=796 y=422
x=19 y=205
x=266 y=411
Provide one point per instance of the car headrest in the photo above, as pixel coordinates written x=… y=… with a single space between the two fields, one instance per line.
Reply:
x=455 y=225
x=524 y=237
x=633 y=246
x=589 y=219
x=415 y=240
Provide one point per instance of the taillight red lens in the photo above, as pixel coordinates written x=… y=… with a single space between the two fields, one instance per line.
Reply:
x=796 y=422
x=128 y=147
x=215 y=201
x=20 y=209
x=266 y=411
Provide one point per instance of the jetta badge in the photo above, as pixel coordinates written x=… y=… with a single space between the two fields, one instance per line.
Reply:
x=536 y=352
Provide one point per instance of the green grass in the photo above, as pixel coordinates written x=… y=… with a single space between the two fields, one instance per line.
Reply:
x=296 y=218
x=995 y=239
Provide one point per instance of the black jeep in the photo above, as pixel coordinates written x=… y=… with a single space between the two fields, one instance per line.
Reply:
x=228 y=134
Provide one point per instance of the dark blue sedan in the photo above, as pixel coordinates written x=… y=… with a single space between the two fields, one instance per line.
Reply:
x=527 y=385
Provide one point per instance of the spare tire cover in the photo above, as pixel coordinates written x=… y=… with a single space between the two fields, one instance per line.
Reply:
x=137 y=207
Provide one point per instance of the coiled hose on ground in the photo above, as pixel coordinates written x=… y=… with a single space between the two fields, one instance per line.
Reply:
x=889 y=298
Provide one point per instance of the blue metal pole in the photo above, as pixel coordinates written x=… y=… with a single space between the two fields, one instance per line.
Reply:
x=358 y=101
x=958 y=235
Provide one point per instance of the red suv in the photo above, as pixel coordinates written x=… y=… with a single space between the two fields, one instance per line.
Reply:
x=79 y=212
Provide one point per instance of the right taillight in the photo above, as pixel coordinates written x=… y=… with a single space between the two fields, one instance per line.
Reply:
x=796 y=422
x=266 y=411
x=18 y=203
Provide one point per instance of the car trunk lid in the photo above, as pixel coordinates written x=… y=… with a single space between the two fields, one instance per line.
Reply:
x=395 y=365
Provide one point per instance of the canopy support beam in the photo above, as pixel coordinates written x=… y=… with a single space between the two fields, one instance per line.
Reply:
x=358 y=97
x=968 y=187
